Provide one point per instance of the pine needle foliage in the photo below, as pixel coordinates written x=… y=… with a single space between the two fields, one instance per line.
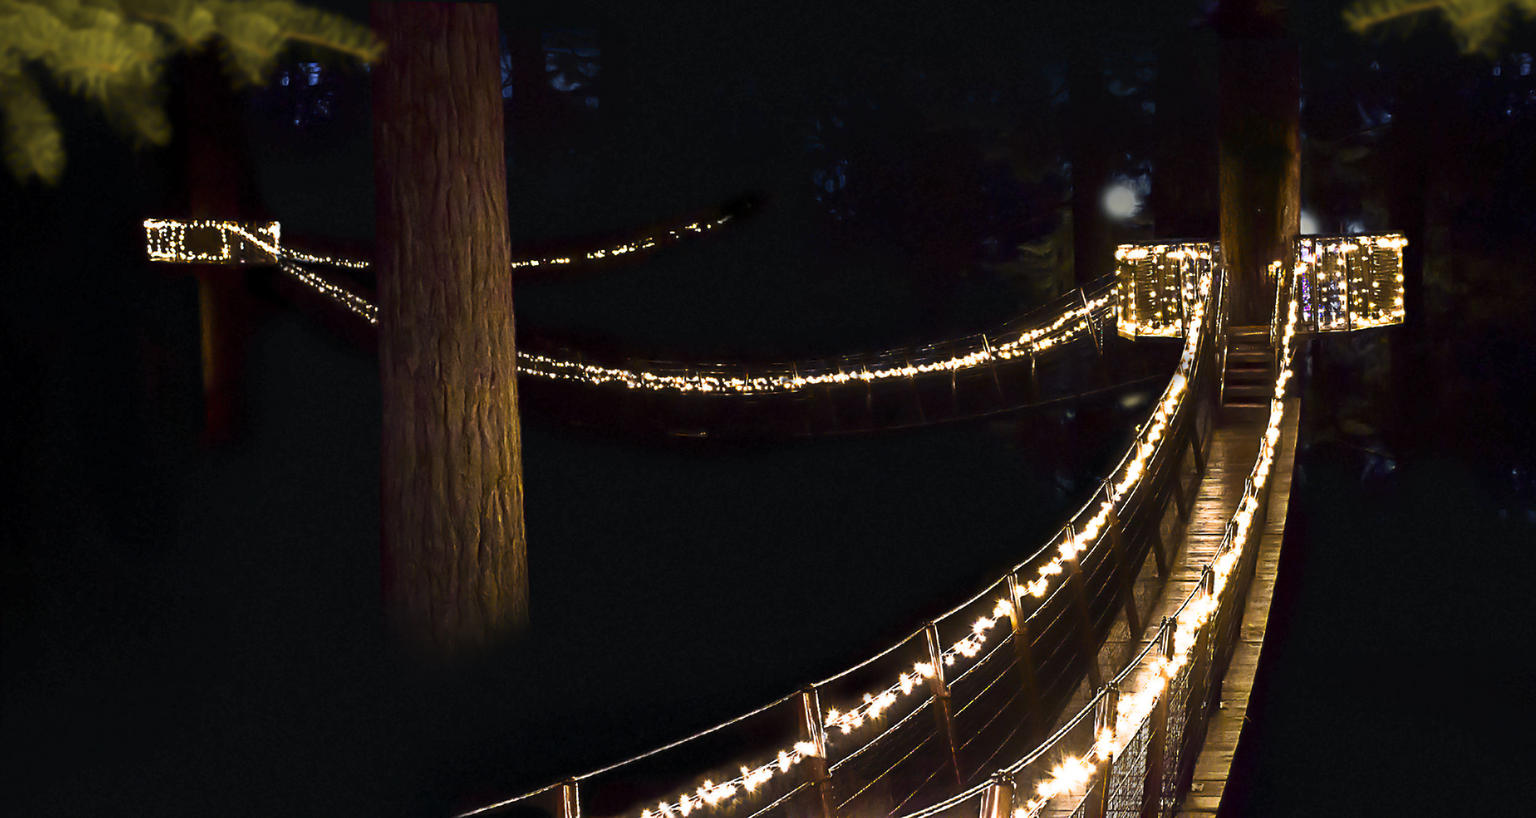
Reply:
x=1477 y=24
x=113 y=53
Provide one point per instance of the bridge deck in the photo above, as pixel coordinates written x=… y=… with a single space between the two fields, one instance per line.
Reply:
x=1191 y=544
x=1214 y=763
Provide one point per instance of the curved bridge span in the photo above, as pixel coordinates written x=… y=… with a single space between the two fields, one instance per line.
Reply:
x=1082 y=682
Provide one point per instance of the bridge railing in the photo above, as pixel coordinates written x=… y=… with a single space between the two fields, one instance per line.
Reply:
x=977 y=686
x=1131 y=750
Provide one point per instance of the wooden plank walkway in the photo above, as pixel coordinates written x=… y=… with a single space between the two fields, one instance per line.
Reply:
x=1192 y=543
x=1214 y=763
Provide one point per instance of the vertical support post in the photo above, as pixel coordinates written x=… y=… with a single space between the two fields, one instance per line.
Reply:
x=917 y=395
x=812 y=730
x=869 y=398
x=1103 y=723
x=1117 y=544
x=1084 y=628
x=1023 y=649
x=954 y=393
x=997 y=801
x=1157 y=737
x=942 y=709
x=1098 y=344
x=1179 y=500
x=1034 y=382
x=570 y=799
x=1194 y=438
x=992 y=366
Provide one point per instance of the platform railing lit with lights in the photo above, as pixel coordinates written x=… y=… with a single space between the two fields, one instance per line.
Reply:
x=963 y=694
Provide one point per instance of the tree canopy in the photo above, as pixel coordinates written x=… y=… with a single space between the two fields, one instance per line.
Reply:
x=1477 y=24
x=113 y=52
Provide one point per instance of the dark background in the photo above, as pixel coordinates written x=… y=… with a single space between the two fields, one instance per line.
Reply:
x=196 y=631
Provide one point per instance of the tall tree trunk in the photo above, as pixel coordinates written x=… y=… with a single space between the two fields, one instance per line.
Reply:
x=454 y=547
x=1260 y=152
x=219 y=186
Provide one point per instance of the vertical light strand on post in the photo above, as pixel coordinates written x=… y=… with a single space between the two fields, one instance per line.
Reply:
x=942 y=709
x=813 y=731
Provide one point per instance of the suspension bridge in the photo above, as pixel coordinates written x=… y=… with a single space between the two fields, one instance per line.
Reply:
x=1107 y=672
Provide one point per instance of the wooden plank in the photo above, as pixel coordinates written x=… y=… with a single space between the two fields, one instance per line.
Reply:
x=1214 y=763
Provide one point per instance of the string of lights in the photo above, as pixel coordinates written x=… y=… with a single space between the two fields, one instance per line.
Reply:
x=1069 y=324
x=875 y=704
x=1073 y=773
x=209 y=241
x=1351 y=282
x=644 y=243
x=167 y=242
x=1152 y=434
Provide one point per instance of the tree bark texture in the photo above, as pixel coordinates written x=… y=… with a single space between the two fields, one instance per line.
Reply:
x=219 y=186
x=1260 y=167
x=454 y=546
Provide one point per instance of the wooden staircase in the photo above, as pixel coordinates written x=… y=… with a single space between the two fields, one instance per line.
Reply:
x=1248 y=381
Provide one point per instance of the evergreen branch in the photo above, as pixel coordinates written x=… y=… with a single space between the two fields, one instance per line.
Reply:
x=1364 y=15
x=32 y=142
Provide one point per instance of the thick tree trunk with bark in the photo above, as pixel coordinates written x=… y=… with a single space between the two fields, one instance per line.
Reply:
x=1260 y=152
x=219 y=186
x=454 y=548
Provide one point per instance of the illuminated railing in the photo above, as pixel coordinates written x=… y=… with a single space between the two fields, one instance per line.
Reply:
x=1350 y=282
x=1157 y=286
x=1086 y=315
x=212 y=241
x=937 y=693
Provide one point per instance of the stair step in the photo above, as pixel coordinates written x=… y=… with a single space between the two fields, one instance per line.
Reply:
x=1247 y=390
x=1250 y=355
x=1249 y=376
x=1247 y=331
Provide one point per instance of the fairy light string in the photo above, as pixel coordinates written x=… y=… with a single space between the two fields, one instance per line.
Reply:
x=837 y=722
x=1071 y=323
x=1074 y=773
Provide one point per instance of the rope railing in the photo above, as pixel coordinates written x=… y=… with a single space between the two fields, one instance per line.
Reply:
x=934 y=663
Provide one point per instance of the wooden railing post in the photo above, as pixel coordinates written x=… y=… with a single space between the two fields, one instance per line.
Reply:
x=570 y=799
x=997 y=801
x=1079 y=594
x=1103 y=722
x=940 y=688
x=992 y=366
x=1117 y=545
x=812 y=730
x=1023 y=650
x=1179 y=500
x=917 y=394
x=1157 y=736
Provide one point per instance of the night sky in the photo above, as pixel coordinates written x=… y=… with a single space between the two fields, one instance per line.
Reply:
x=191 y=630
